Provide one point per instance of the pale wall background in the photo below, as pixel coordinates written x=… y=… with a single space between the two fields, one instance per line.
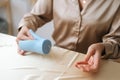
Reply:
x=19 y=8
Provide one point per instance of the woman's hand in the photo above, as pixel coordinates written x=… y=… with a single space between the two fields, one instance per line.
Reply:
x=23 y=35
x=92 y=59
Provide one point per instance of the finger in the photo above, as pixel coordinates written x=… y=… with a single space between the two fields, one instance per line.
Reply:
x=96 y=60
x=95 y=63
x=29 y=35
x=22 y=52
x=80 y=67
x=24 y=38
x=90 y=62
x=17 y=40
x=77 y=64
x=81 y=62
x=90 y=52
x=84 y=68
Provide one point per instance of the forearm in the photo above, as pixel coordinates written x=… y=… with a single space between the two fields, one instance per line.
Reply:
x=31 y=21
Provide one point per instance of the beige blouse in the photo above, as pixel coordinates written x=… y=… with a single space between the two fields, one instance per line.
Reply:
x=76 y=29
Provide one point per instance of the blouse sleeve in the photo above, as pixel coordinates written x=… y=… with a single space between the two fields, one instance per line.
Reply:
x=40 y=14
x=111 y=40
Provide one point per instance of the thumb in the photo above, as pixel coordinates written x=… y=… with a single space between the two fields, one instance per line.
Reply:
x=90 y=53
x=35 y=36
x=29 y=35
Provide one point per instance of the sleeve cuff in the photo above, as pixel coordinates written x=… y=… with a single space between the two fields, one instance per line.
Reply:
x=108 y=51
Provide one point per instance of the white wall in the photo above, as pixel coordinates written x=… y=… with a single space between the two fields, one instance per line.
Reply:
x=19 y=8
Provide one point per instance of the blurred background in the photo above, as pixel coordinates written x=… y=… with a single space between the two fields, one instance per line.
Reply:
x=11 y=11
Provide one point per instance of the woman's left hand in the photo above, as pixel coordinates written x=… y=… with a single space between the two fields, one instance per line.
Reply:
x=92 y=59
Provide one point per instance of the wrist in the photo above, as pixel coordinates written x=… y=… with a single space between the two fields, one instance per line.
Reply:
x=103 y=49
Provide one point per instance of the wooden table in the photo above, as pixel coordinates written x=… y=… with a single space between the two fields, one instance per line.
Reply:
x=48 y=67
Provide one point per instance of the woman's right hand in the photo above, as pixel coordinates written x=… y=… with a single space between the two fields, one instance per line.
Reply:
x=23 y=34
